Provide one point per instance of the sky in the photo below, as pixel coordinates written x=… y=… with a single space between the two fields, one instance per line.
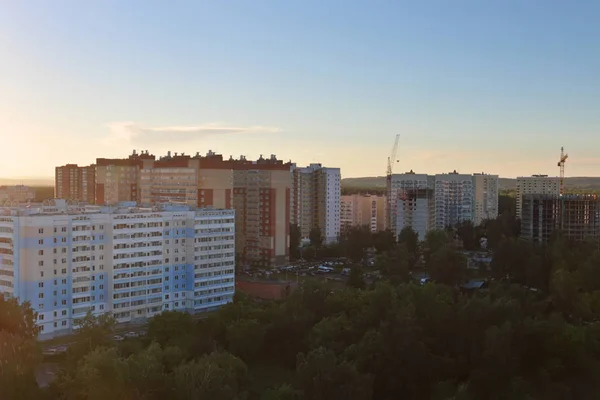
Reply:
x=472 y=86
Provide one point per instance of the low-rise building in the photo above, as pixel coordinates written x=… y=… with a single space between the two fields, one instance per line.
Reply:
x=16 y=194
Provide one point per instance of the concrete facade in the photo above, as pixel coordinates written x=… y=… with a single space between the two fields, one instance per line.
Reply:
x=486 y=197
x=536 y=185
x=411 y=203
x=128 y=261
x=316 y=200
x=363 y=210
x=576 y=216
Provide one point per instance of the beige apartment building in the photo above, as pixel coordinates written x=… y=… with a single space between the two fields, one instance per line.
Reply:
x=363 y=210
x=316 y=200
x=258 y=190
x=73 y=182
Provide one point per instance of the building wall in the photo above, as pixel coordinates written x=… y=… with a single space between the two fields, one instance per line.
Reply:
x=363 y=210
x=130 y=262
x=454 y=199
x=576 y=216
x=262 y=199
x=410 y=203
x=316 y=200
x=486 y=197
x=536 y=184
x=17 y=193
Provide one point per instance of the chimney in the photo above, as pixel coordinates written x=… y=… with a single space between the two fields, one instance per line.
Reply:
x=169 y=153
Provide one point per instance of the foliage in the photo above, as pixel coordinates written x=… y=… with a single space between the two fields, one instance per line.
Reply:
x=356 y=279
x=533 y=334
x=316 y=237
x=447 y=266
x=19 y=355
x=295 y=241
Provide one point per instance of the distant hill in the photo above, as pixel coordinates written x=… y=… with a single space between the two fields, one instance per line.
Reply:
x=27 y=181
x=378 y=182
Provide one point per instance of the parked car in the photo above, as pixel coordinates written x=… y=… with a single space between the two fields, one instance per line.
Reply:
x=49 y=352
x=131 y=335
x=117 y=338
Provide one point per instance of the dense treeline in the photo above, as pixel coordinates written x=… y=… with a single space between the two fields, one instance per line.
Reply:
x=532 y=334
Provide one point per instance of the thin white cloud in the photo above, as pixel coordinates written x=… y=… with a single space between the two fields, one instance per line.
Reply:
x=143 y=134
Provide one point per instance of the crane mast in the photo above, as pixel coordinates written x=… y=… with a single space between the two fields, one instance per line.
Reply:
x=561 y=165
x=392 y=157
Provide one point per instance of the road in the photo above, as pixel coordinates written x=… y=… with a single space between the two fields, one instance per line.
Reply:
x=120 y=329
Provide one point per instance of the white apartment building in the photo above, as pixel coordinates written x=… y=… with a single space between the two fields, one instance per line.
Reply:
x=486 y=197
x=125 y=260
x=536 y=184
x=316 y=192
x=454 y=199
x=410 y=203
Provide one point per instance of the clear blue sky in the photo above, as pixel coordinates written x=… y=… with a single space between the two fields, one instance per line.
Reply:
x=494 y=86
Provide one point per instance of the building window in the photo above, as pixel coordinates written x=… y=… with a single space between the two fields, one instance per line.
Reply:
x=41 y=241
x=41 y=296
x=41 y=284
x=41 y=252
x=41 y=230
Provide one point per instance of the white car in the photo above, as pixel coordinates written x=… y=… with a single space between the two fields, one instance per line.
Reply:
x=131 y=335
x=117 y=338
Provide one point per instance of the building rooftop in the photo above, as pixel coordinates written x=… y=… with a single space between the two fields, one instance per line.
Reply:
x=64 y=207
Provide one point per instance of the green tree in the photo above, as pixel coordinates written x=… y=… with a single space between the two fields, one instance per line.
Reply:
x=281 y=392
x=466 y=233
x=94 y=331
x=295 y=241
x=356 y=240
x=316 y=237
x=218 y=375
x=246 y=338
x=172 y=328
x=384 y=240
x=434 y=240
x=447 y=266
x=395 y=264
x=322 y=376
x=410 y=239
x=19 y=355
x=356 y=279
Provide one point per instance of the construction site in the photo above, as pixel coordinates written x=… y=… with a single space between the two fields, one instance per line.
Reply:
x=576 y=216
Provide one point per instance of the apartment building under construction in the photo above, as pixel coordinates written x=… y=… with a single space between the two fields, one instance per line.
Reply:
x=577 y=217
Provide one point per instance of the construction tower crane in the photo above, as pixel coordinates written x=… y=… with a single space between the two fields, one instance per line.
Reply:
x=561 y=164
x=392 y=158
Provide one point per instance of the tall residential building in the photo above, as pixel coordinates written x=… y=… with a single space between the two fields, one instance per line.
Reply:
x=536 y=184
x=128 y=261
x=258 y=190
x=118 y=180
x=576 y=216
x=316 y=200
x=363 y=210
x=76 y=183
x=261 y=198
x=16 y=194
x=454 y=199
x=411 y=203
x=486 y=197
